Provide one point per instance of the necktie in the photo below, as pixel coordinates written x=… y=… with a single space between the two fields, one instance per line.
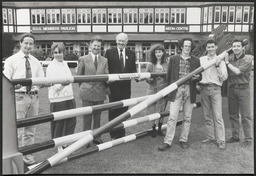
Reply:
x=122 y=60
x=28 y=72
x=95 y=62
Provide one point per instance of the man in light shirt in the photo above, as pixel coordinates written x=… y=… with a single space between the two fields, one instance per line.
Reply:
x=20 y=65
x=211 y=99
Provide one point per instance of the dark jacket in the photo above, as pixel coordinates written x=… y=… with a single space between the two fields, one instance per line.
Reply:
x=120 y=89
x=173 y=75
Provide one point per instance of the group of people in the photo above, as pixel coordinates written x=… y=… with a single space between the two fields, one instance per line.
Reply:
x=236 y=68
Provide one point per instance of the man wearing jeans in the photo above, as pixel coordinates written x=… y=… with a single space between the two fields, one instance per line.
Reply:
x=239 y=68
x=211 y=98
x=180 y=66
x=24 y=65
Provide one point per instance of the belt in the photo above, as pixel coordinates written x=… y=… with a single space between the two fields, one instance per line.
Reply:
x=209 y=85
x=239 y=86
x=29 y=93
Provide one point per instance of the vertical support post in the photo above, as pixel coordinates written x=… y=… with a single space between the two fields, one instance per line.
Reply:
x=12 y=159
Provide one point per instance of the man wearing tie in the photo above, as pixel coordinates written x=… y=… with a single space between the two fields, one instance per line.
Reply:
x=24 y=65
x=93 y=93
x=120 y=60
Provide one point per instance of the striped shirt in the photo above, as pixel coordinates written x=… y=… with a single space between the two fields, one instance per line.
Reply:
x=184 y=67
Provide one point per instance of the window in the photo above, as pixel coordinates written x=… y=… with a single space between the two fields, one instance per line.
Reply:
x=252 y=18
x=4 y=11
x=217 y=14
x=69 y=48
x=231 y=14
x=38 y=16
x=210 y=15
x=246 y=14
x=46 y=48
x=84 y=49
x=99 y=16
x=10 y=16
x=224 y=16
x=178 y=16
x=115 y=16
x=68 y=16
x=130 y=16
x=205 y=14
x=53 y=16
x=83 y=16
x=239 y=14
x=162 y=15
x=146 y=16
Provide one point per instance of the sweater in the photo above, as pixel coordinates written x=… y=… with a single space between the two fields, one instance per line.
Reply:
x=58 y=92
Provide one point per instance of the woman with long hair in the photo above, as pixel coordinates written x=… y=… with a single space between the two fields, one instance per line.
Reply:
x=158 y=64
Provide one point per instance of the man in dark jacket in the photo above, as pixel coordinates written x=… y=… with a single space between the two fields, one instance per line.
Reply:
x=120 y=60
x=179 y=67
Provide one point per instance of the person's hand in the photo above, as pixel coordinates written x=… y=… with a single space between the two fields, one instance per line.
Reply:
x=17 y=86
x=65 y=84
x=226 y=58
x=195 y=77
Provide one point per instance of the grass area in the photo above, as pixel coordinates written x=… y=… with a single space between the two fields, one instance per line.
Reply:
x=142 y=156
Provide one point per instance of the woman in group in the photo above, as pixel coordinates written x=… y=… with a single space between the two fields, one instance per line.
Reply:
x=158 y=64
x=60 y=95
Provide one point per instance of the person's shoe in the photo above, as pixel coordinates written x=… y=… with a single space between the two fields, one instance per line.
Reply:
x=221 y=145
x=207 y=141
x=247 y=143
x=232 y=140
x=183 y=145
x=97 y=141
x=164 y=147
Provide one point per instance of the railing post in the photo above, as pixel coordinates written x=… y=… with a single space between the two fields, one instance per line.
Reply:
x=12 y=159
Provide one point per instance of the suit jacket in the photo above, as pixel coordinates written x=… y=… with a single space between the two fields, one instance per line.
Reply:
x=92 y=91
x=120 y=89
x=173 y=75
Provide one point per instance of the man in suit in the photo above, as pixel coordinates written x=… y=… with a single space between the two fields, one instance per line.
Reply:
x=120 y=60
x=93 y=93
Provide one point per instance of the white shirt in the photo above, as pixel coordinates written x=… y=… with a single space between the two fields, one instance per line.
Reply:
x=57 y=92
x=14 y=68
x=93 y=57
x=213 y=74
x=123 y=53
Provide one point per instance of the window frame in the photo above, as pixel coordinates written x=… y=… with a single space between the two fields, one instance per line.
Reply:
x=56 y=13
x=144 y=13
x=117 y=13
x=224 y=9
x=239 y=15
x=130 y=15
x=248 y=12
x=217 y=14
x=86 y=17
x=69 y=15
x=5 y=15
x=163 y=14
x=36 y=13
x=100 y=14
x=178 y=14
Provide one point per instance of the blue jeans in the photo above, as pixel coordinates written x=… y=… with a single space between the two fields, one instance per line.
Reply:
x=239 y=101
x=212 y=107
x=182 y=99
x=26 y=106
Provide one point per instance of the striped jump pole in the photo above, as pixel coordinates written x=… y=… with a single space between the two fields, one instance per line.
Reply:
x=78 y=111
x=134 y=110
x=85 y=78
x=74 y=137
x=106 y=145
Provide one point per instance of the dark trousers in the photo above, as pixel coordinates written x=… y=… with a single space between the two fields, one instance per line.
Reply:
x=115 y=113
x=66 y=126
x=239 y=102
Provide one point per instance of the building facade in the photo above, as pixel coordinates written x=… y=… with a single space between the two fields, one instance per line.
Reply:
x=146 y=23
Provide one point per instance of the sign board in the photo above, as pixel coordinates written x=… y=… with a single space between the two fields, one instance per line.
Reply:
x=175 y=28
x=53 y=29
